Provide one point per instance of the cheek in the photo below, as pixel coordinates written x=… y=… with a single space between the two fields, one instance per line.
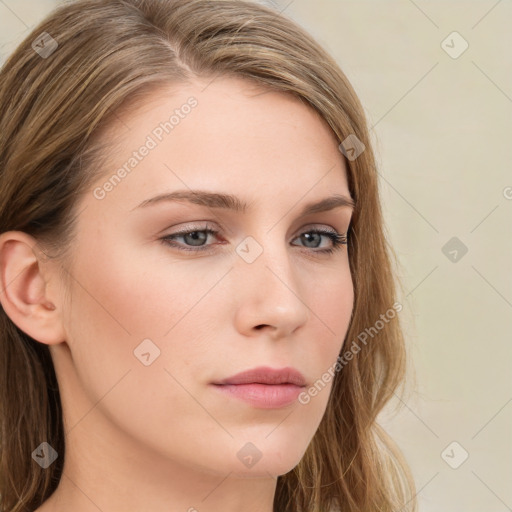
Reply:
x=117 y=302
x=331 y=303
x=136 y=296
x=114 y=308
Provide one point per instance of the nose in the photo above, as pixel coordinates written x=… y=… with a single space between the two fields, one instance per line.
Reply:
x=269 y=294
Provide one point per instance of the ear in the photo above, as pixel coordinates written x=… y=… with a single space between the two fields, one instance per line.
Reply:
x=28 y=288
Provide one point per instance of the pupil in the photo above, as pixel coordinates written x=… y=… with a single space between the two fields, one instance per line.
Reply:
x=193 y=236
x=309 y=236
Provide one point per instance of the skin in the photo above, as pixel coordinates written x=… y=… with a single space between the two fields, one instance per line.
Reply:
x=159 y=437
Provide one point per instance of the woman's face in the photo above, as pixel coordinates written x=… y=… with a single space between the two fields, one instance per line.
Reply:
x=153 y=324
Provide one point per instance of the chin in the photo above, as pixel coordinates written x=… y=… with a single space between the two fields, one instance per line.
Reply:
x=271 y=460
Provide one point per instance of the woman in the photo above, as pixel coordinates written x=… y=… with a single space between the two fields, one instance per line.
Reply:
x=191 y=253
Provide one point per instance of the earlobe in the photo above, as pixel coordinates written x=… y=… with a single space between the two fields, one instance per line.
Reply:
x=25 y=290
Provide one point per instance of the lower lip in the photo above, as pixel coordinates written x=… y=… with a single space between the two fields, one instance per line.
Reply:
x=264 y=396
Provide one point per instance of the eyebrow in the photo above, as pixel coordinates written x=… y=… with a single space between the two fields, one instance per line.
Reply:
x=231 y=202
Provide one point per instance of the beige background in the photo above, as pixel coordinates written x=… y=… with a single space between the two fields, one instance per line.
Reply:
x=442 y=128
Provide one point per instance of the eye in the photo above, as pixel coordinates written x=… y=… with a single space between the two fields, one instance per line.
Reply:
x=195 y=239
x=337 y=239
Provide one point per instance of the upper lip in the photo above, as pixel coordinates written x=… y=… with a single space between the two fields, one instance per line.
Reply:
x=267 y=375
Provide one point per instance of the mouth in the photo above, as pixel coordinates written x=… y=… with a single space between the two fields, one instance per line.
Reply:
x=264 y=387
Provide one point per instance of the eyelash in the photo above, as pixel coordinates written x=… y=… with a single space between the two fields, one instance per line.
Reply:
x=338 y=240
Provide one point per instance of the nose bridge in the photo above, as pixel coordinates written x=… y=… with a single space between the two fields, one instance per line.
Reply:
x=267 y=255
x=269 y=288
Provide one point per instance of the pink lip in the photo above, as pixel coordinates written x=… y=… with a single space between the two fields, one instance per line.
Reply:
x=265 y=387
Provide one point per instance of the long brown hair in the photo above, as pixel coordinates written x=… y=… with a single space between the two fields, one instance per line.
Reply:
x=101 y=54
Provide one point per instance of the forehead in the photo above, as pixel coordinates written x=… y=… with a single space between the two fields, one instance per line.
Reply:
x=228 y=131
